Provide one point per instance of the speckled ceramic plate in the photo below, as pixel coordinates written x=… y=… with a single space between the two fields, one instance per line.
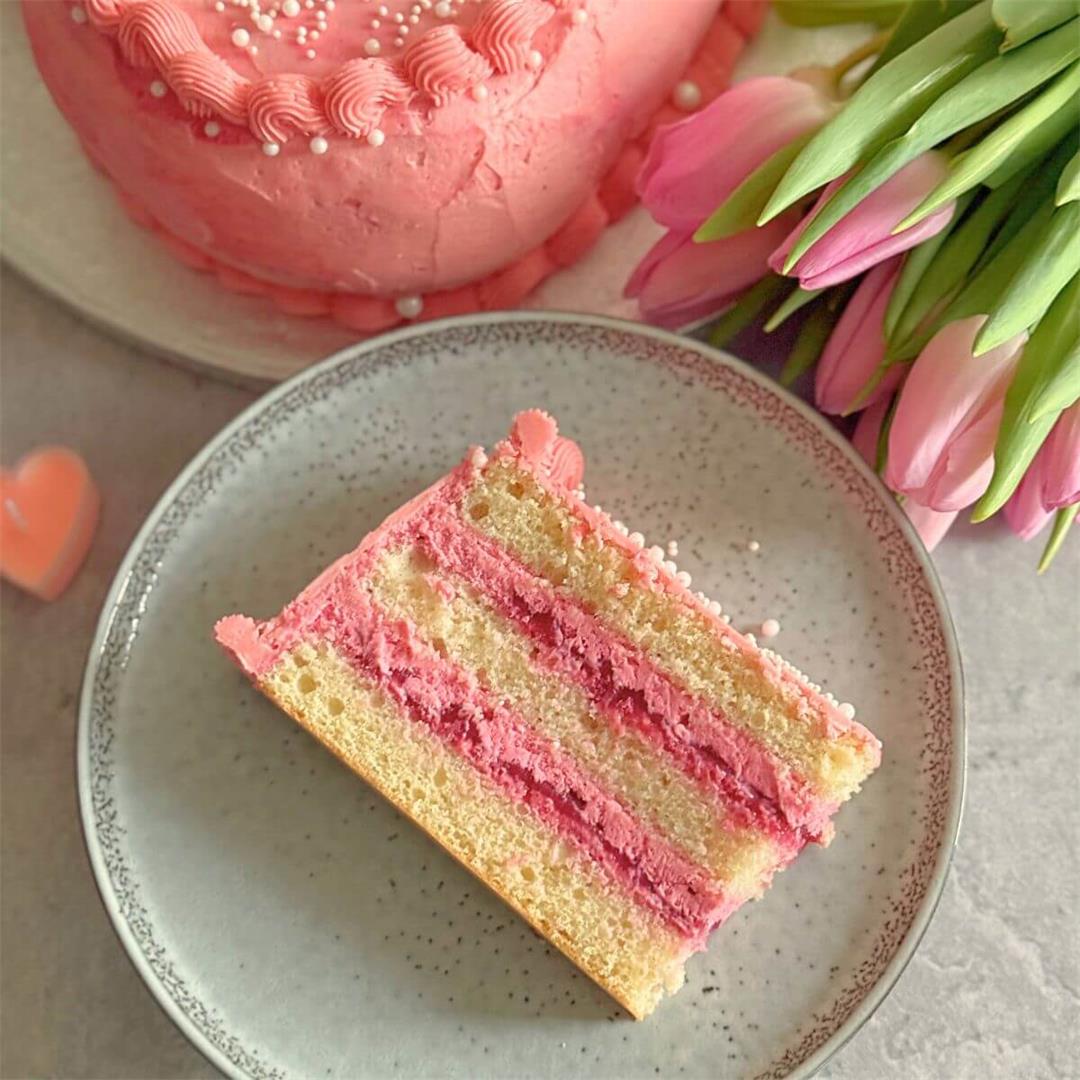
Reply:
x=294 y=925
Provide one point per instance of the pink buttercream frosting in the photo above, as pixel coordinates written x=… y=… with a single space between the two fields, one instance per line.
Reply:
x=455 y=186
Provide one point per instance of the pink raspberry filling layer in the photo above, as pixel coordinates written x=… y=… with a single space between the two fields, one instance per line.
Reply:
x=501 y=745
x=756 y=788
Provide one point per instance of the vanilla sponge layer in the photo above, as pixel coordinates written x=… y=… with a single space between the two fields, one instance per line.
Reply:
x=624 y=947
x=507 y=504
x=470 y=633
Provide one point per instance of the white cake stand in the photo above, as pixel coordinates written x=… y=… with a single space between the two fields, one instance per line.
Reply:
x=64 y=230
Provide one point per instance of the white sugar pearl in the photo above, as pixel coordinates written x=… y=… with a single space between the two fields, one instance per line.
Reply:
x=414 y=19
x=535 y=59
x=636 y=539
x=290 y=9
x=212 y=129
x=770 y=628
x=673 y=548
x=409 y=307
x=376 y=137
x=399 y=42
x=271 y=149
x=277 y=35
x=158 y=88
x=479 y=92
x=330 y=5
x=753 y=546
x=384 y=10
x=372 y=47
x=310 y=54
x=314 y=35
x=375 y=24
x=580 y=17
x=399 y=18
x=241 y=38
x=219 y=6
x=687 y=95
x=443 y=9
x=683 y=578
x=847 y=709
x=318 y=145
x=265 y=23
x=253 y=50
x=78 y=15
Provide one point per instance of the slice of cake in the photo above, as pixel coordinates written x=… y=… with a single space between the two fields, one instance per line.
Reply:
x=379 y=162
x=542 y=695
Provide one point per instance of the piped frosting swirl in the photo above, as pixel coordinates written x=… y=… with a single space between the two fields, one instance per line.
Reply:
x=441 y=64
x=358 y=94
x=351 y=101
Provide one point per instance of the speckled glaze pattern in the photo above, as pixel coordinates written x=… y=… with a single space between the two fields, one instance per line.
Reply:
x=294 y=925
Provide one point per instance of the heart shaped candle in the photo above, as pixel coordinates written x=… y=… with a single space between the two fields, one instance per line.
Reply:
x=48 y=514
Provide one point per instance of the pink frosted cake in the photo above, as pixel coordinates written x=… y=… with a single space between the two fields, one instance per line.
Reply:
x=380 y=161
x=538 y=691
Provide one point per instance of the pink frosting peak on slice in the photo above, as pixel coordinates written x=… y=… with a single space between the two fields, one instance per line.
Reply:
x=536 y=443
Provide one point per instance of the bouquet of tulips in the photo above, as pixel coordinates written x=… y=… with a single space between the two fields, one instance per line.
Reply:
x=917 y=209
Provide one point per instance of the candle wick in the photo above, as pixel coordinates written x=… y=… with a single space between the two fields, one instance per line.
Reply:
x=16 y=515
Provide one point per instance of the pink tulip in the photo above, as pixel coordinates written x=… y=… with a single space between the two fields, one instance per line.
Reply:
x=1060 y=461
x=1024 y=511
x=679 y=281
x=694 y=165
x=857 y=345
x=863 y=237
x=1052 y=479
x=931 y=525
x=941 y=443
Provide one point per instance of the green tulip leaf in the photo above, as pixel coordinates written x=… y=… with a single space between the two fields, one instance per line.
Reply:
x=809 y=345
x=1019 y=436
x=888 y=103
x=1037 y=190
x=1062 y=126
x=1055 y=109
x=917 y=262
x=832 y=12
x=989 y=88
x=794 y=302
x=918 y=20
x=1068 y=189
x=740 y=210
x=946 y=274
x=1062 y=386
x=1023 y=20
x=1063 y=520
x=1051 y=262
x=747 y=308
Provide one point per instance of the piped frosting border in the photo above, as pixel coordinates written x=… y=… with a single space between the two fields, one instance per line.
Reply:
x=352 y=100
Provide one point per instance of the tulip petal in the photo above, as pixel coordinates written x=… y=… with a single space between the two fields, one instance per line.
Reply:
x=963 y=472
x=864 y=237
x=868 y=431
x=1024 y=511
x=931 y=525
x=857 y=345
x=1061 y=461
x=693 y=165
x=946 y=391
x=679 y=281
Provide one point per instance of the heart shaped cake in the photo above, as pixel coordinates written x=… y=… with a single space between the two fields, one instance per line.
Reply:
x=379 y=161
